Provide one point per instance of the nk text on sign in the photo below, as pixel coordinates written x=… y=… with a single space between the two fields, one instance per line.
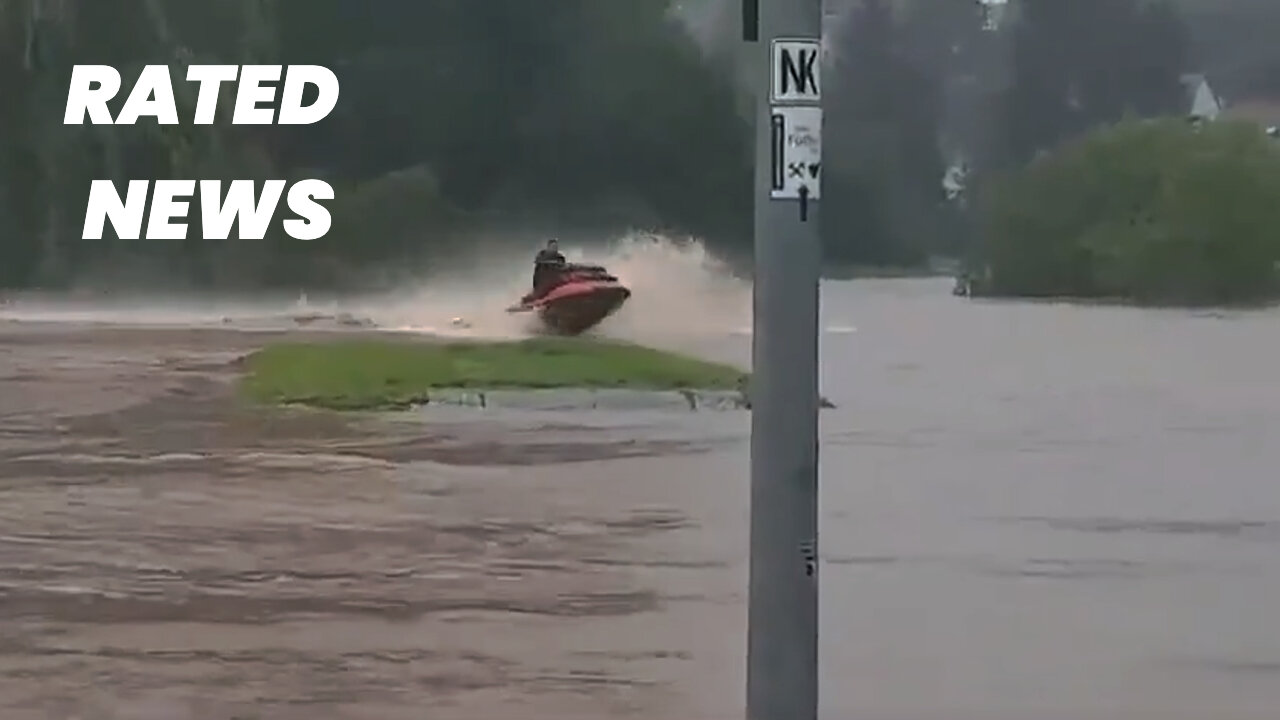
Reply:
x=797 y=153
x=797 y=71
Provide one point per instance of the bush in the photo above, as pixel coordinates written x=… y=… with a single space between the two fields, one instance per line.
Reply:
x=391 y=215
x=1155 y=212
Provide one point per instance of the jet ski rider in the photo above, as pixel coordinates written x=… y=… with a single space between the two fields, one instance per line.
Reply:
x=546 y=267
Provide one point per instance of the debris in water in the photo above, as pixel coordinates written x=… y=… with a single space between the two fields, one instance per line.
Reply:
x=349 y=320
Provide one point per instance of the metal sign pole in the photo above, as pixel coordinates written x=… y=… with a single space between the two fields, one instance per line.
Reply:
x=784 y=52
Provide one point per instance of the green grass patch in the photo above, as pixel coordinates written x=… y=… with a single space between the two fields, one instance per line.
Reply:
x=389 y=374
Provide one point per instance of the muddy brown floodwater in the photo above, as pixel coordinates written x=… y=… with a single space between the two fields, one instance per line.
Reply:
x=167 y=553
x=1029 y=511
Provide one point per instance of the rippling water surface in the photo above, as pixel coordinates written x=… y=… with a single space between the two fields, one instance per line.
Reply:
x=1029 y=511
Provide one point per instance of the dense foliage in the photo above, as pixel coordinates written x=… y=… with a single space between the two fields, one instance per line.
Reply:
x=1152 y=211
x=512 y=119
x=454 y=116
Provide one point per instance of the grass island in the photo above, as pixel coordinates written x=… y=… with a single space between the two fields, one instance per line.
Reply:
x=395 y=374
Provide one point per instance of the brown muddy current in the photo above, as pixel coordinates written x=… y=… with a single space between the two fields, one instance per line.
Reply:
x=1029 y=511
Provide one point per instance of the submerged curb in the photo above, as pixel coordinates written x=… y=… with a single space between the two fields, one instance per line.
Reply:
x=595 y=399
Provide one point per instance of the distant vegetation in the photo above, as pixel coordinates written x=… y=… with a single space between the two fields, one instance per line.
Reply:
x=390 y=374
x=1160 y=212
x=514 y=119
x=456 y=119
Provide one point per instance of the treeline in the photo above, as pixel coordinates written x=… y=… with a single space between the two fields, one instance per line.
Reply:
x=462 y=119
x=455 y=115
x=1110 y=191
x=1150 y=212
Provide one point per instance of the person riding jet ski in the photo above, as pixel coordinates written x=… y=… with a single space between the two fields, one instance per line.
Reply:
x=547 y=267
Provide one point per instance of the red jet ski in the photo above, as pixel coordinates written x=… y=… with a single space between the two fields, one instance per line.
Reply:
x=577 y=299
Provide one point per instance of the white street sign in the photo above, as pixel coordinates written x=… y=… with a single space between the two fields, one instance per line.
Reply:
x=797 y=152
x=796 y=70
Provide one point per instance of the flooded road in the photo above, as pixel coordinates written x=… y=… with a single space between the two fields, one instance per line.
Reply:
x=1029 y=510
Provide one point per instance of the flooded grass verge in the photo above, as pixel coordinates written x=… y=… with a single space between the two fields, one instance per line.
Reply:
x=391 y=375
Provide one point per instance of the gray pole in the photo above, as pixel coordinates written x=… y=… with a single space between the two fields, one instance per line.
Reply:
x=784 y=61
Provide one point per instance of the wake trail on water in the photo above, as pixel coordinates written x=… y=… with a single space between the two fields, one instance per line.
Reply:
x=680 y=291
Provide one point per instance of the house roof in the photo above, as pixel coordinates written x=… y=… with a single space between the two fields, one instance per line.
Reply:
x=1201 y=100
x=1264 y=111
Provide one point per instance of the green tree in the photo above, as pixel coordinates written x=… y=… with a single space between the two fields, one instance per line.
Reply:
x=1151 y=211
x=884 y=167
x=565 y=113
x=1084 y=63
